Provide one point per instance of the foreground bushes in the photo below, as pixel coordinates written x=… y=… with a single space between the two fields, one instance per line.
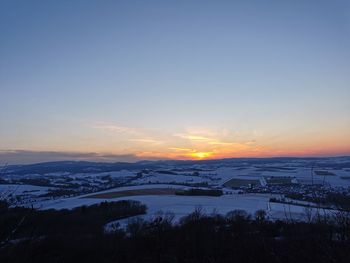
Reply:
x=84 y=220
x=77 y=236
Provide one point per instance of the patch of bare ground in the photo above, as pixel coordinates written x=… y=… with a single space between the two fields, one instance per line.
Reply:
x=150 y=191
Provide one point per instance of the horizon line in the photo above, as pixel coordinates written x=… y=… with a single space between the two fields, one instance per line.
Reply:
x=180 y=160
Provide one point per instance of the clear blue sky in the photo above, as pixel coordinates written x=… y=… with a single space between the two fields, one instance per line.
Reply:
x=174 y=79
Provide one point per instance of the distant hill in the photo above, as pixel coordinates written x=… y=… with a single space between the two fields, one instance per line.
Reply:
x=93 y=167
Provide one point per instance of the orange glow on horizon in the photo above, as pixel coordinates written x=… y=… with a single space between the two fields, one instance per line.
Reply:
x=112 y=142
x=254 y=152
x=201 y=155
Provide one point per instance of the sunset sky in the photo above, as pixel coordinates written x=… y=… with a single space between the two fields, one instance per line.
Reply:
x=145 y=80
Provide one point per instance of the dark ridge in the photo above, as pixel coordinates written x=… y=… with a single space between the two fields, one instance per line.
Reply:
x=93 y=167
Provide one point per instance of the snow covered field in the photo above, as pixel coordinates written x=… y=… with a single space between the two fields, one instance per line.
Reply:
x=15 y=189
x=183 y=205
x=73 y=188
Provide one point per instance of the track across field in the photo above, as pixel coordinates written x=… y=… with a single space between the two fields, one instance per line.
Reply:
x=150 y=191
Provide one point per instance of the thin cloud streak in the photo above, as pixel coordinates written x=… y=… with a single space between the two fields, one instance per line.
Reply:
x=192 y=143
x=26 y=156
x=123 y=143
x=151 y=141
x=119 y=129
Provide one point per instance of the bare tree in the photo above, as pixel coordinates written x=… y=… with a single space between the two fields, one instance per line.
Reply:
x=6 y=201
x=308 y=214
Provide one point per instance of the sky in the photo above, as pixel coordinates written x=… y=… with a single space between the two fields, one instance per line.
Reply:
x=145 y=80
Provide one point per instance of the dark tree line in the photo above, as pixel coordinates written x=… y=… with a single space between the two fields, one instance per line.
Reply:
x=77 y=236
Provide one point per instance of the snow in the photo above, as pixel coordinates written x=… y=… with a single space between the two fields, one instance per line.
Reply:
x=135 y=187
x=295 y=212
x=170 y=178
x=20 y=189
x=183 y=205
x=72 y=202
x=180 y=206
